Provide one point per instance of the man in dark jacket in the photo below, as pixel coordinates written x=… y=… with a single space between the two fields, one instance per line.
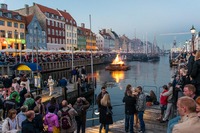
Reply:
x=130 y=109
x=28 y=126
x=191 y=62
x=10 y=104
x=81 y=107
x=100 y=96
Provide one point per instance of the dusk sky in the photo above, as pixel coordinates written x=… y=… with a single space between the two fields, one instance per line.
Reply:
x=130 y=17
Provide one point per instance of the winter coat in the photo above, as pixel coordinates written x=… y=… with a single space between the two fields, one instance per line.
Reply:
x=21 y=94
x=195 y=74
x=39 y=122
x=130 y=104
x=29 y=127
x=55 y=105
x=72 y=112
x=104 y=117
x=51 y=120
x=81 y=109
x=163 y=99
x=15 y=93
x=141 y=102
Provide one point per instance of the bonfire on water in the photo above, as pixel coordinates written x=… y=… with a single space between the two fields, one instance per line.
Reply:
x=118 y=60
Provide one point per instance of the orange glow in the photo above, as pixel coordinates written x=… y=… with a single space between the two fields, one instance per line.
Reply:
x=118 y=75
x=117 y=60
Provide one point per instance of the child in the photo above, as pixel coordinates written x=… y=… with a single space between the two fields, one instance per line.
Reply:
x=163 y=102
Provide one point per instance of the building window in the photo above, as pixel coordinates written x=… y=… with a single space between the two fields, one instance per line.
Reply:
x=56 y=32
x=52 y=31
x=57 y=24
x=9 y=15
x=60 y=41
x=52 y=23
x=22 y=26
x=2 y=22
x=43 y=33
x=9 y=34
x=1 y=14
x=49 y=32
x=31 y=39
x=48 y=22
x=56 y=40
x=22 y=35
x=47 y=14
x=9 y=24
x=49 y=39
x=53 y=40
x=19 y=17
x=64 y=41
x=30 y=31
x=2 y=33
x=43 y=40
x=16 y=25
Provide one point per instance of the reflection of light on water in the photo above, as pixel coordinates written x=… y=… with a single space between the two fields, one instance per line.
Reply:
x=120 y=87
x=118 y=75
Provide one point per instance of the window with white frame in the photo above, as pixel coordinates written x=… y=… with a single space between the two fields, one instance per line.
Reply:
x=52 y=31
x=52 y=23
x=49 y=31
x=48 y=22
x=49 y=39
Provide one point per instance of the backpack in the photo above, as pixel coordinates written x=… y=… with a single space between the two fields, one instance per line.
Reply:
x=66 y=121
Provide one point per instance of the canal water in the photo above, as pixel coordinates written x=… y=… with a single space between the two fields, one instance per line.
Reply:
x=149 y=75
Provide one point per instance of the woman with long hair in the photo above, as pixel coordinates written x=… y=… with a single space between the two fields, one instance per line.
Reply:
x=105 y=113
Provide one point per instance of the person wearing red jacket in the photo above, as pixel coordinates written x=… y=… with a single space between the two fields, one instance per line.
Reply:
x=163 y=102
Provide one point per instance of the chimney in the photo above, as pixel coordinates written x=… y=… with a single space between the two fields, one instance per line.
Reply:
x=33 y=3
x=4 y=6
x=26 y=9
x=65 y=11
x=82 y=25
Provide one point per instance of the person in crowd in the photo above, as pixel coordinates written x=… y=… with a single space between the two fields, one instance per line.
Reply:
x=28 y=126
x=153 y=97
x=169 y=95
x=189 y=120
x=21 y=116
x=83 y=72
x=189 y=90
x=22 y=94
x=163 y=102
x=105 y=115
x=10 y=104
x=100 y=96
x=198 y=106
x=63 y=82
x=135 y=94
x=140 y=106
x=38 y=119
x=16 y=85
x=195 y=74
x=13 y=92
x=25 y=82
x=51 y=119
x=74 y=74
x=10 y=123
x=7 y=82
x=81 y=105
x=130 y=110
x=1 y=104
x=40 y=105
x=53 y=102
x=128 y=87
x=29 y=101
x=66 y=112
x=50 y=83
x=191 y=61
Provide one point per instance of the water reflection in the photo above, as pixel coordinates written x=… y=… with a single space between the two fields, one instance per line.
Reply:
x=117 y=75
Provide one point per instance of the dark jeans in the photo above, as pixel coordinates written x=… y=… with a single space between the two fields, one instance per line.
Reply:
x=106 y=126
x=129 y=121
x=142 y=124
x=80 y=126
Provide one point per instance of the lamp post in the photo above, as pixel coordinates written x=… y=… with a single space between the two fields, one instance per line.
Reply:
x=15 y=46
x=193 y=30
x=186 y=43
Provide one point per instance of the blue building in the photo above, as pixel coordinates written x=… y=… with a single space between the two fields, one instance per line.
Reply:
x=34 y=33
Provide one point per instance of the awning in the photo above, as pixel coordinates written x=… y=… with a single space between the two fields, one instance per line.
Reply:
x=27 y=67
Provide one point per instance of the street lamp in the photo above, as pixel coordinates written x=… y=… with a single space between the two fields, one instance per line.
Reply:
x=186 y=43
x=15 y=46
x=193 y=30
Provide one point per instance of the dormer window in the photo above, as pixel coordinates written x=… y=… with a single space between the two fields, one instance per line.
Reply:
x=62 y=18
x=67 y=20
x=19 y=17
x=57 y=17
x=9 y=15
x=52 y=16
x=47 y=14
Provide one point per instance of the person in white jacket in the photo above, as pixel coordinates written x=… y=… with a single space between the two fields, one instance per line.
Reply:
x=50 y=83
x=10 y=124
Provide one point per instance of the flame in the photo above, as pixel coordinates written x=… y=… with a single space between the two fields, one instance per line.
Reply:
x=117 y=60
x=118 y=75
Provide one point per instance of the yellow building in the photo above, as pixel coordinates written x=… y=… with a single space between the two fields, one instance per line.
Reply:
x=12 y=29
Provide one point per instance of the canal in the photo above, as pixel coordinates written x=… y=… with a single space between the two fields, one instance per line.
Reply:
x=149 y=75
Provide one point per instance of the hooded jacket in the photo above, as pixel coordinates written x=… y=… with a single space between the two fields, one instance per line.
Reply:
x=51 y=120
